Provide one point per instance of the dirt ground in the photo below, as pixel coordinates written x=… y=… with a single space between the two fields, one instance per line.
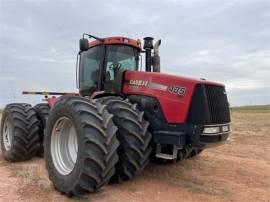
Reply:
x=236 y=171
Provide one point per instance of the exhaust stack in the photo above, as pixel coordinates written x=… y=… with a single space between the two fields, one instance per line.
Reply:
x=149 y=59
x=148 y=46
x=156 y=57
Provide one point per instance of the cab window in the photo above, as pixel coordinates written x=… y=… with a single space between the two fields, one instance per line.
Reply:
x=120 y=57
x=90 y=63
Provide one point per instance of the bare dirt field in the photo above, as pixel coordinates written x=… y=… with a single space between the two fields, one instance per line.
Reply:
x=236 y=171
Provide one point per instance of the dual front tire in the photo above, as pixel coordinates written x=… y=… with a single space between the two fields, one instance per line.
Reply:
x=113 y=143
x=87 y=143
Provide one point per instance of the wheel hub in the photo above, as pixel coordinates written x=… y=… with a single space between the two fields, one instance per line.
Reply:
x=7 y=135
x=64 y=146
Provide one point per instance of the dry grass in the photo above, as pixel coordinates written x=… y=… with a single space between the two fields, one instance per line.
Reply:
x=252 y=109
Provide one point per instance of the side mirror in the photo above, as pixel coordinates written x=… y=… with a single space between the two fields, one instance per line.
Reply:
x=84 y=44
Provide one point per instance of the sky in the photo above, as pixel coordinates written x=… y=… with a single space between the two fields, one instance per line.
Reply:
x=224 y=41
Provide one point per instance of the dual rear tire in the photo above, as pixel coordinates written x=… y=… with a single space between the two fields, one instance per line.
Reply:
x=19 y=132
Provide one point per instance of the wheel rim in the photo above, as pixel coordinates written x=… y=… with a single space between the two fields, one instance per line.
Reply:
x=7 y=135
x=64 y=145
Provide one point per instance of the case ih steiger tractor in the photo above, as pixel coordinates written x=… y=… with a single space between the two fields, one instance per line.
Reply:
x=121 y=117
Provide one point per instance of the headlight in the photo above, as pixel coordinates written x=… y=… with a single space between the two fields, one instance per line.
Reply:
x=225 y=128
x=211 y=130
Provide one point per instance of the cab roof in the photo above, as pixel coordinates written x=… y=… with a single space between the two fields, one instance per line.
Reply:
x=117 y=40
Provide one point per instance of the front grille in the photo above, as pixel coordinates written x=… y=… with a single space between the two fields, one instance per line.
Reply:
x=209 y=105
x=217 y=104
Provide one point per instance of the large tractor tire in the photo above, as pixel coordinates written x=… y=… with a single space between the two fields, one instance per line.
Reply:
x=80 y=145
x=194 y=153
x=19 y=132
x=133 y=135
x=188 y=153
x=42 y=110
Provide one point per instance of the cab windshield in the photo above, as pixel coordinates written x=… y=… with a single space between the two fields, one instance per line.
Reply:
x=110 y=62
x=118 y=58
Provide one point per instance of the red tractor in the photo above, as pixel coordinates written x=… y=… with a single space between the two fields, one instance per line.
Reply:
x=121 y=117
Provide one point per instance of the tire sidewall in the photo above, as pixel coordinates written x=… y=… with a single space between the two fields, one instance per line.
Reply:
x=126 y=118
x=64 y=182
x=43 y=118
x=7 y=154
x=41 y=115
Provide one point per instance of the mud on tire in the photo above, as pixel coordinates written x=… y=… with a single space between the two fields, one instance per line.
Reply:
x=96 y=146
x=19 y=132
x=133 y=135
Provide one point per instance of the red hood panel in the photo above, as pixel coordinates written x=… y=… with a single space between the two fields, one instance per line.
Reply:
x=173 y=92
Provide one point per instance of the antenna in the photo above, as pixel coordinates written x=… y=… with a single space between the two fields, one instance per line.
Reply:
x=92 y=36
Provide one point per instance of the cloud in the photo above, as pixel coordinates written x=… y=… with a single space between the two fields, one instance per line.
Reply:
x=221 y=41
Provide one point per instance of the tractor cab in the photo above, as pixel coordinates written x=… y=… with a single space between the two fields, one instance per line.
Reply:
x=103 y=62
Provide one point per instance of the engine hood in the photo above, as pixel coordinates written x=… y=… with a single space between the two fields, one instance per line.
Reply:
x=174 y=93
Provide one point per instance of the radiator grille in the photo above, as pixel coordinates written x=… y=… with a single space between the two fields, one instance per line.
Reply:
x=217 y=104
x=209 y=105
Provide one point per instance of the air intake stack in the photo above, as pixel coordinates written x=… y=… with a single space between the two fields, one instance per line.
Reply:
x=149 y=59
x=148 y=46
